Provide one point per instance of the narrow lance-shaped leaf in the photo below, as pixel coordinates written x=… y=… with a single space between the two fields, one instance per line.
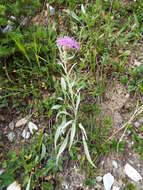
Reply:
x=72 y=134
x=63 y=84
x=78 y=101
x=43 y=153
x=83 y=9
x=73 y=82
x=56 y=107
x=63 y=113
x=83 y=130
x=72 y=68
x=87 y=151
x=28 y=185
x=60 y=129
x=62 y=148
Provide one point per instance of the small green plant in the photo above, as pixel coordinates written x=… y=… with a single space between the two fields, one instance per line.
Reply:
x=130 y=186
x=68 y=108
x=29 y=166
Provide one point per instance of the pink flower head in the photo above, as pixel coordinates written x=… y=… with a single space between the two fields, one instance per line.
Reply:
x=68 y=42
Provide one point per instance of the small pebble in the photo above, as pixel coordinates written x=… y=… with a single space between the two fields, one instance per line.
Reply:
x=11 y=125
x=114 y=163
x=99 y=178
x=116 y=188
x=11 y=136
x=136 y=124
x=25 y=134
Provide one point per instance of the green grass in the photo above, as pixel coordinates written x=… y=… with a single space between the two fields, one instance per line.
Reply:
x=30 y=77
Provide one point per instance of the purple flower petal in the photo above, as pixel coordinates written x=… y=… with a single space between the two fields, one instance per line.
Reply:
x=68 y=42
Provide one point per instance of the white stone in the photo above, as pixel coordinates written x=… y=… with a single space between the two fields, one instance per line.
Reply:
x=25 y=134
x=116 y=188
x=99 y=178
x=52 y=10
x=136 y=124
x=108 y=181
x=115 y=164
x=14 y=186
x=32 y=127
x=132 y=173
x=11 y=136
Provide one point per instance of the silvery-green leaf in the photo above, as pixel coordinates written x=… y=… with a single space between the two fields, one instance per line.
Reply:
x=37 y=159
x=58 y=132
x=72 y=134
x=78 y=90
x=86 y=150
x=83 y=9
x=72 y=68
x=60 y=98
x=28 y=185
x=60 y=129
x=59 y=63
x=62 y=112
x=43 y=153
x=73 y=82
x=63 y=84
x=83 y=130
x=73 y=15
x=56 y=107
x=62 y=148
x=71 y=57
x=78 y=101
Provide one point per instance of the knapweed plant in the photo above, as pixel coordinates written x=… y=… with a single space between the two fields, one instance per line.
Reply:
x=68 y=108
